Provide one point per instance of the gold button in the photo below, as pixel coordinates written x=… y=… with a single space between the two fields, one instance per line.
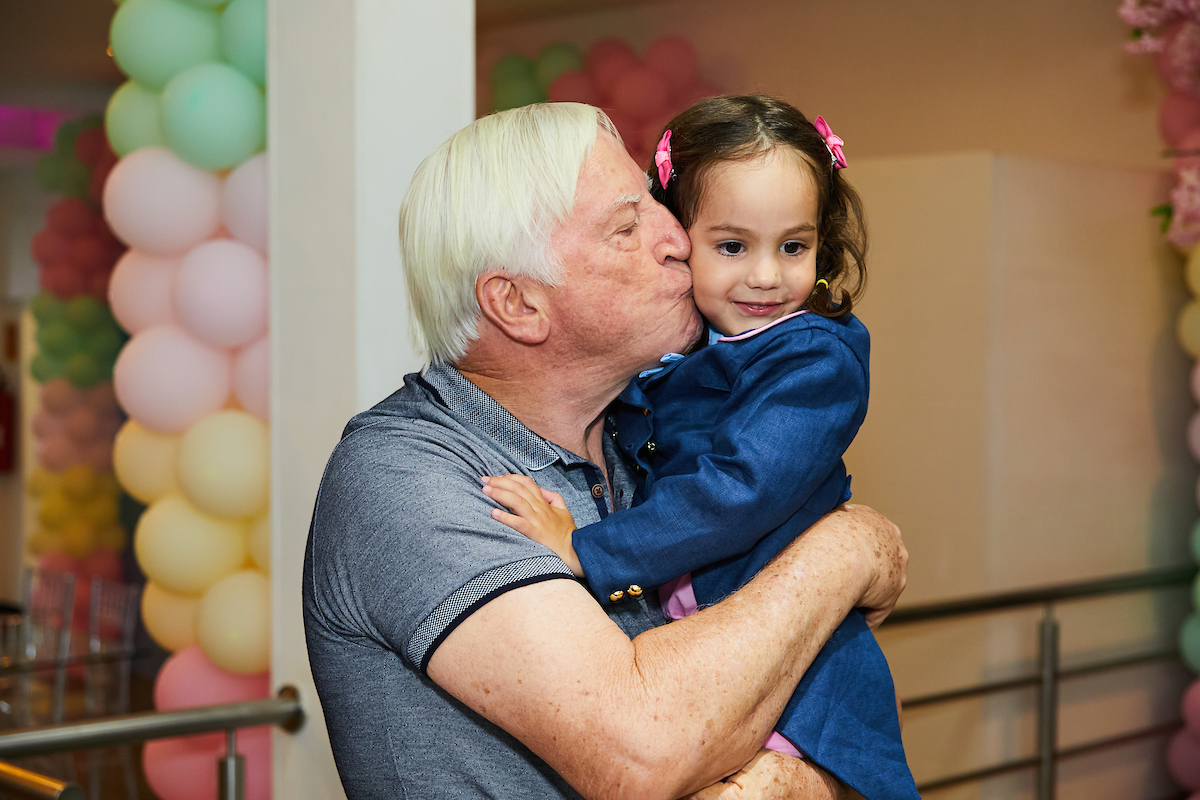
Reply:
x=645 y=412
x=635 y=591
x=617 y=596
x=597 y=491
x=651 y=447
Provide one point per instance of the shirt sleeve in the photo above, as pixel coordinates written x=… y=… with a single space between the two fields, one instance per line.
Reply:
x=403 y=547
x=792 y=412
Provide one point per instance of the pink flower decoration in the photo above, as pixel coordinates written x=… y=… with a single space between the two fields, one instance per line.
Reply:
x=832 y=141
x=662 y=159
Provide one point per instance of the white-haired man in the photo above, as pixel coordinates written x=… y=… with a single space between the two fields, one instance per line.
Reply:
x=454 y=657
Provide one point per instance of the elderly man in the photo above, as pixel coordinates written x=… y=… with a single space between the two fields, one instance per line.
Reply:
x=454 y=657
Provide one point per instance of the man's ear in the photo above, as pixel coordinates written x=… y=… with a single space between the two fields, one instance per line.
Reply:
x=517 y=306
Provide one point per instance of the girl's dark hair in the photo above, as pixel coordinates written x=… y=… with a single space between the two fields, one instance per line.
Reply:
x=742 y=128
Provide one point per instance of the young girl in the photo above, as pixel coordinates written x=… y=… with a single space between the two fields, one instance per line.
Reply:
x=738 y=446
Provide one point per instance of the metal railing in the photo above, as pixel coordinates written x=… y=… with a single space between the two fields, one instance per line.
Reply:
x=1049 y=673
x=283 y=710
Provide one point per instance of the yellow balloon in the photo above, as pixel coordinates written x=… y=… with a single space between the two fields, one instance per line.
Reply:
x=111 y=536
x=41 y=481
x=101 y=509
x=78 y=538
x=55 y=510
x=260 y=542
x=1188 y=328
x=1192 y=270
x=184 y=550
x=225 y=464
x=45 y=540
x=170 y=618
x=80 y=483
x=233 y=622
x=145 y=462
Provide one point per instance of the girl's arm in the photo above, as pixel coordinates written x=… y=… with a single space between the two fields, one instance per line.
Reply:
x=538 y=513
x=791 y=414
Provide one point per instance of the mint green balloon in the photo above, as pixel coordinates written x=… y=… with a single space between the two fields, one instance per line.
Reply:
x=244 y=37
x=155 y=40
x=214 y=116
x=554 y=60
x=516 y=93
x=133 y=119
x=512 y=67
x=1189 y=643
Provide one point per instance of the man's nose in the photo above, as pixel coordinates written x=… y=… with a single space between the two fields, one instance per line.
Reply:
x=671 y=239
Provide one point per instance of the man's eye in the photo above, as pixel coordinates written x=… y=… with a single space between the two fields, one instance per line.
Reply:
x=730 y=248
x=629 y=230
x=792 y=248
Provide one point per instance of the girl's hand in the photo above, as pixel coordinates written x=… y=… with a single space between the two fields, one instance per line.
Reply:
x=536 y=512
x=771 y=775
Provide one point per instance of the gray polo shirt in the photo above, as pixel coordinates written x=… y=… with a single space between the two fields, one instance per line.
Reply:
x=402 y=548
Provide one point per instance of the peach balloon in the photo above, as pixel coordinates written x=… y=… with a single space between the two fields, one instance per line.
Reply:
x=59 y=396
x=244 y=202
x=145 y=462
x=224 y=464
x=184 y=768
x=140 y=291
x=221 y=293
x=157 y=203
x=233 y=623
x=188 y=679
x=252 y=378
x=170 y=618
x=166 y=380
x=184 y=550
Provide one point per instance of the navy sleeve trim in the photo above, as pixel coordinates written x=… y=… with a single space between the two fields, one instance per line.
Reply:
x=469 y=597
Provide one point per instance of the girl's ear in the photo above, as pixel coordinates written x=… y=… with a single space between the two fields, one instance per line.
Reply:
x=517 y=306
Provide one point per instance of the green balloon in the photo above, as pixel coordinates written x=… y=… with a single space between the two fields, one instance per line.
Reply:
x=104 y=344
x=214 y=116
x=75 y=178
x=244 y=37
x=556 y=59
x=85 y=313
x=47 y=308
x=83 y=371
x=512 y=67
x=43 y=368
x=155 y=40
x=514 y=94
x=1189 y=643
x=133 y=120
x=64 y=137
x=49 y=171
x=58 y=340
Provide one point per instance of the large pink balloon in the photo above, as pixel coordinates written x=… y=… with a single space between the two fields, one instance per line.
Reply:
x=606 y=60
x=673 y=58
x=188 y=679
x=45 y=424
x=252 y=378
x=244 y=202
x=140 y=291
x=1177 y=115
x=640 y=93
x=221 y=293
x=1183 y=759
x=573 y=86
x=167 y=381
x=57 y=452
x=157 y=203
x=59 y=396
x=186 y=768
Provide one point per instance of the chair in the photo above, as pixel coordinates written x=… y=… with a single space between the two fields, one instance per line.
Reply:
x=112 y=625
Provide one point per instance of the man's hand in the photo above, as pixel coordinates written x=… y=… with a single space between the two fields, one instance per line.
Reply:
x=886 y=559
x=776 y=776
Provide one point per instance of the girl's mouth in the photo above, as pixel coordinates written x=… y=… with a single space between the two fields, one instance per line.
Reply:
x=758 y=309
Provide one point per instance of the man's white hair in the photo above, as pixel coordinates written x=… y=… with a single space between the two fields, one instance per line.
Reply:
x=490 y=197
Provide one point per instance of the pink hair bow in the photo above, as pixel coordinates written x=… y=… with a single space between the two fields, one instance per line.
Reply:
x=662 y=159
x=833 y=142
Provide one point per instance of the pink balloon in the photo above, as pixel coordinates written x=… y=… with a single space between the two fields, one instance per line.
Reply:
x=221 y=293
x=244 y=202
x=1177 y=115
x=640 y=93
x=59 y=396
x=58 y=561
x=606 y=60
x=252 y=378
x=156 y=203
x=1183 y=759
x=167 y=381
x=186 y=768
x=573 y=86
x=675 y=60
x=140 y=291
x=102 y=399
x=1190 y=141
x=101 y=563
x=82 y=424
x=697 y=91
x=188 y=679
x=98 y=456
x=58 y=452
x=45 y=424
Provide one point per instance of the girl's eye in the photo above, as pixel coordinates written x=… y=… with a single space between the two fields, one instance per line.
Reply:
x=731 y=248
x=792 y=248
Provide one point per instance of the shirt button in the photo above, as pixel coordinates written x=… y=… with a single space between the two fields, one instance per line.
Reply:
x=645 y=412
x=597 y=491
x=617 y=596
x=651 y=447
x=635 y=591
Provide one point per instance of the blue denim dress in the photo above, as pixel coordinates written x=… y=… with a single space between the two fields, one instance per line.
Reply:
x=738 y=450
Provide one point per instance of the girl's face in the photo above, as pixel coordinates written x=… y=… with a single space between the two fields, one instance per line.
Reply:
x=754 y=241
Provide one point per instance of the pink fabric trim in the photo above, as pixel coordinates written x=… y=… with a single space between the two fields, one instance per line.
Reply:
x=678 y=598
x=777 y=742
x=757 y=331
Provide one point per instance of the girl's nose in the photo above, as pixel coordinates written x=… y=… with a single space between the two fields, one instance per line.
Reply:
x=763 y=275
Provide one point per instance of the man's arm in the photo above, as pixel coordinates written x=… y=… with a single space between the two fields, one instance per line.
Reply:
x=775 y=776
x=683 y=705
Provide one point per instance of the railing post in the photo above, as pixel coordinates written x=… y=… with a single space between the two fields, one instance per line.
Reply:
x=231 y=770
x=1047 y=714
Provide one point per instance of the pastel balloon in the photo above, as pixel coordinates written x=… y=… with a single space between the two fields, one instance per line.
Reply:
x=78 y=539
x=102 y=399
x=244 y=202
x=574 y=87
x=58 y=562
x=98 y=456
x=188 y=679
x=133 y=120
x=145 y=462
x=214 y=116
x=606 y=59
x=153 y=40
x=221 y=294
x=45 y=368
x=170 y=618
x=244 y=37
x=233 y=623
x=58 y=452
x=141 y=291
x=1183 y=759
x=160 y=205
x=70 y=216
x=45 y=424
x=224 y=465
x=252 y=378
x=82 y=423
x=259 y=540
x=516 y=93
x=59 y=396
x=185 y=768
x=105 y=564
x=79 y=483
x=1187 y=328
x=166 y=380
x=554 y=60
x=184 y=550
x=46 y=307
x=675 y=60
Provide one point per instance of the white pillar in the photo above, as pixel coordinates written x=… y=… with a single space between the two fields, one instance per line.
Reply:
x=359 y=92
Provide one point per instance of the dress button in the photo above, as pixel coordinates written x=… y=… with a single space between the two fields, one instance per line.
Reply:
x=617 y=596
x=597 y=491
x=635 y=591
x=651 y=447
x=614 y=433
